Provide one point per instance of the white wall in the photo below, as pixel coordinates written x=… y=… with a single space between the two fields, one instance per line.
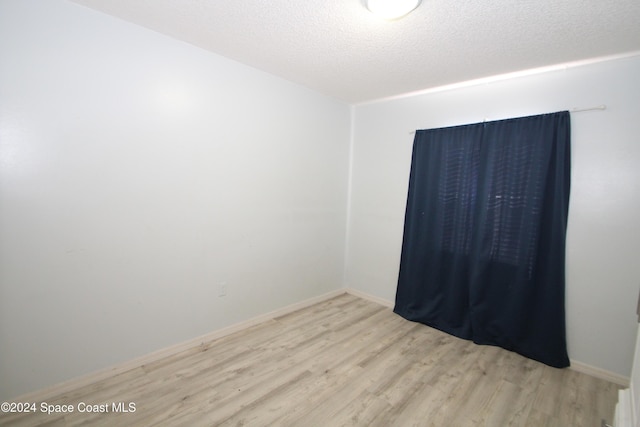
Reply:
x=137 y=173
x=603 y=236
x=634 y=385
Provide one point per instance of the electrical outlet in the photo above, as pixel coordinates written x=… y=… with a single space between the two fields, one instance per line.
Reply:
x=222 y=289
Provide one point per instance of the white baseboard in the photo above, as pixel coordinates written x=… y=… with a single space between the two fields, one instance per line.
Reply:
x=575 y=365
x=363 y=295
x=64 y=387
x=74 y=383
x=602 y=374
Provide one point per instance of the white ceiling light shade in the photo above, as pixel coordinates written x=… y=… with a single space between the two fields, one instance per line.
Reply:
x=391 y=9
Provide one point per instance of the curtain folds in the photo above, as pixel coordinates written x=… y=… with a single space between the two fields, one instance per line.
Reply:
x=484 y=238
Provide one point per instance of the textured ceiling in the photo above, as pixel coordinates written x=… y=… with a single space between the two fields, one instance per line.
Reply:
x=338 y=48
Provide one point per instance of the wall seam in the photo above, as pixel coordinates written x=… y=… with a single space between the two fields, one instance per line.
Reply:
x=347 y=228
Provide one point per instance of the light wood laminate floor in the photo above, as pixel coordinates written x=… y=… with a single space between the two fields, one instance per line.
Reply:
x=343 y=362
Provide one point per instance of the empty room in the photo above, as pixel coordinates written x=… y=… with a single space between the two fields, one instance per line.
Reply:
x=332 y=213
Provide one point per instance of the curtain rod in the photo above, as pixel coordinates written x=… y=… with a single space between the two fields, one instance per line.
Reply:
x=580 y=110
x=573 y=110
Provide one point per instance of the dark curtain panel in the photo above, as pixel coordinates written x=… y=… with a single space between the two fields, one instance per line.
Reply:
x=483 y=252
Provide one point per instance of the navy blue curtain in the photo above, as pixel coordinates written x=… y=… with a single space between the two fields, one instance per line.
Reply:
x=483 y=253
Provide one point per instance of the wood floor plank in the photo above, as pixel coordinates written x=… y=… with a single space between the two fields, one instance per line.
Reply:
x=342 y=362
x=364 y=410
x=507 y=406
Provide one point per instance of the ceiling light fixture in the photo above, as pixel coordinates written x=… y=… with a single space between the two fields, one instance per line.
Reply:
x=391 y=9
